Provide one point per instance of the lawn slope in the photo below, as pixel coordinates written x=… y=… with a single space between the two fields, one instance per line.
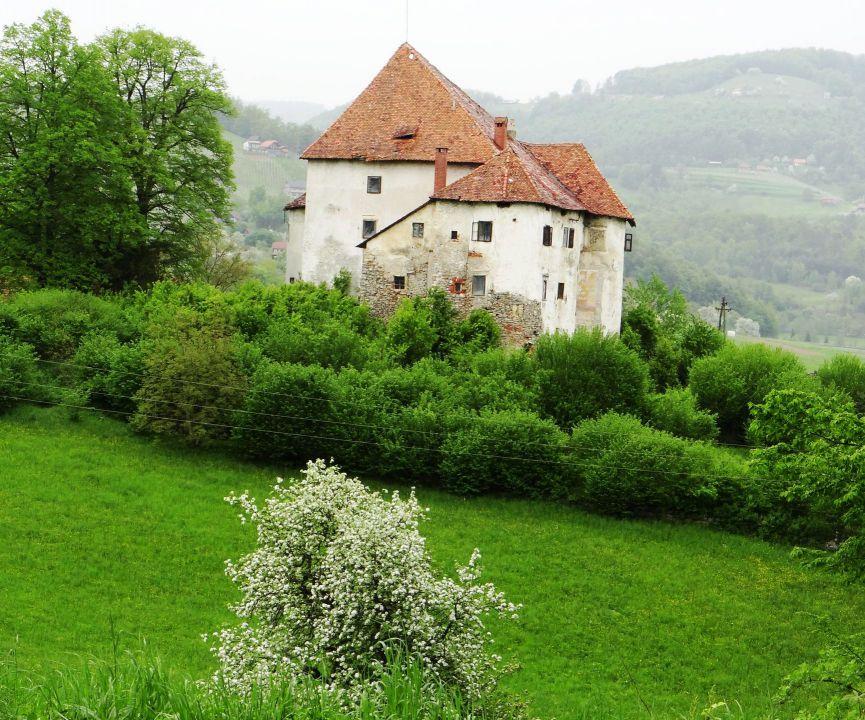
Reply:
x=98 y=526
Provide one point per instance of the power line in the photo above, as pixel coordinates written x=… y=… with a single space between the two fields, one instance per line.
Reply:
x=295 y=396
x=558 y=447
x=338 y=440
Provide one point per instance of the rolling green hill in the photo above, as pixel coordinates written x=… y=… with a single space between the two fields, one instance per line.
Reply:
x=271 y=173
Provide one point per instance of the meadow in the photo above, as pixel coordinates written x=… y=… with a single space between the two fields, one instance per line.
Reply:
x=100 y=528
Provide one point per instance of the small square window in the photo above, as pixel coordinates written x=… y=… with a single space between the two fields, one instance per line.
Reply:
x=458 y=288
x=399 y=282
x=291 y=280
x=568 y=237
x=560 y=295
x=368 y=228
x=479 y=284
x=547 y=236
x=417 y=230
x=373 y=184
x=482 y=231
x=455 y=235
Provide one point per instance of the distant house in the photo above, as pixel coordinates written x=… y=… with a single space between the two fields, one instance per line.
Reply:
x=415 y=186
x=252 y=144
x=278 y=248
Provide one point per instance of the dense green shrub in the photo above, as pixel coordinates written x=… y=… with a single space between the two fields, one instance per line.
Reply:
x=511 y=450
x=622 y=467
x=410 y=332
x=812 y=464
x=656 y=324
x=847 y=373
x=410 y=447
x=54 y=321
x=738 y=376
x=587 y=373
x=19 y=373
x=360 y=412
x=192 y=382
x=109 y=372
x=290 y=412
x=428 y=379
x=675 y=411
x=329 y=343
x=477 y=333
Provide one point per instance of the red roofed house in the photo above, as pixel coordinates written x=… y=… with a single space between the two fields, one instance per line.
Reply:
x=416 y=186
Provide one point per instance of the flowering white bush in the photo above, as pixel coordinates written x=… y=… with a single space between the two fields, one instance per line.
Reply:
x=339 y=579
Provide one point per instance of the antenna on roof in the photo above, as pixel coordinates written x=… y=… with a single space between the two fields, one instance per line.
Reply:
x=406 y=20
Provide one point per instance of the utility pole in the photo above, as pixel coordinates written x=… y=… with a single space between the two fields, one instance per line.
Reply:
x=722 y=314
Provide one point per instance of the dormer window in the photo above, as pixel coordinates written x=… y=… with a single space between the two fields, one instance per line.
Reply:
x=373 y=184
x=404 y=132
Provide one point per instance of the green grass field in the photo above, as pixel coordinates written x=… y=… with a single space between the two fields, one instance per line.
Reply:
x=251 y=171
x=753 y=192
x=812 y=355
x=99 y=526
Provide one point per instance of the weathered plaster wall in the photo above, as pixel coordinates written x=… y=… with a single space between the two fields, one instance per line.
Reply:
x=295 y=221
x=601 y=274
x=515 y=264
x=337 y=202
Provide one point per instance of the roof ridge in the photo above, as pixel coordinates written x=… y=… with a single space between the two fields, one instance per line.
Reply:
x=468 y=103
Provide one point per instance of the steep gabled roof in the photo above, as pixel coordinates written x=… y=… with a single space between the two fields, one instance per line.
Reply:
x=514 y=175
x=405 y=113
x=575 y=168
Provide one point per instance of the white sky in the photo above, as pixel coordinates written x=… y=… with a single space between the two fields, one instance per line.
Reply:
x=326 y=51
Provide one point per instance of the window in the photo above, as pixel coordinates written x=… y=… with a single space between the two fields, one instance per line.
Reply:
x=479 y=284
x=482 y=231
x=458 y=288
x=399 y=282
x=417 y=230
x=568 y=237
x=548 y=235
x=455 y=235
x=629 y=241
x=560 y=295
x=544 y=288
x=291 y=280
x=373 y=184
x=368 y=228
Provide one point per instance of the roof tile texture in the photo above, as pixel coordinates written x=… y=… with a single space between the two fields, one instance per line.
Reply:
x=408 y=93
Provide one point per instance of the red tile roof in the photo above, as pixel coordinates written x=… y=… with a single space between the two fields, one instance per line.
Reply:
x=514 y=175
x=564 y=176
x=575 y=168
x=408 y=94
x=297 y=203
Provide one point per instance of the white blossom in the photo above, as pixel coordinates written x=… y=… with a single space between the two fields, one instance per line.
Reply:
x=341 y=577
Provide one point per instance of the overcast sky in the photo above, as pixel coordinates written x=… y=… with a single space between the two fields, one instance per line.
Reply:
x=326 y=51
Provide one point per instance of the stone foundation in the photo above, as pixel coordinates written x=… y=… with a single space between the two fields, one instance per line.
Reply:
x=519 y=318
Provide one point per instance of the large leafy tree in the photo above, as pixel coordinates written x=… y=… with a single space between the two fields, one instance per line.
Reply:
x=178 y=162
x=65 y=210
x=113 y=170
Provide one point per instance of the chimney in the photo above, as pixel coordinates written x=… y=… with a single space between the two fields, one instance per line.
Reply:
x=441 y=169
x=501 y=137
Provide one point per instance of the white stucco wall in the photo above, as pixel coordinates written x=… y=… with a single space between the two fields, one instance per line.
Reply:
x=337 y=202
x=516 y=261
x=295 y=222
